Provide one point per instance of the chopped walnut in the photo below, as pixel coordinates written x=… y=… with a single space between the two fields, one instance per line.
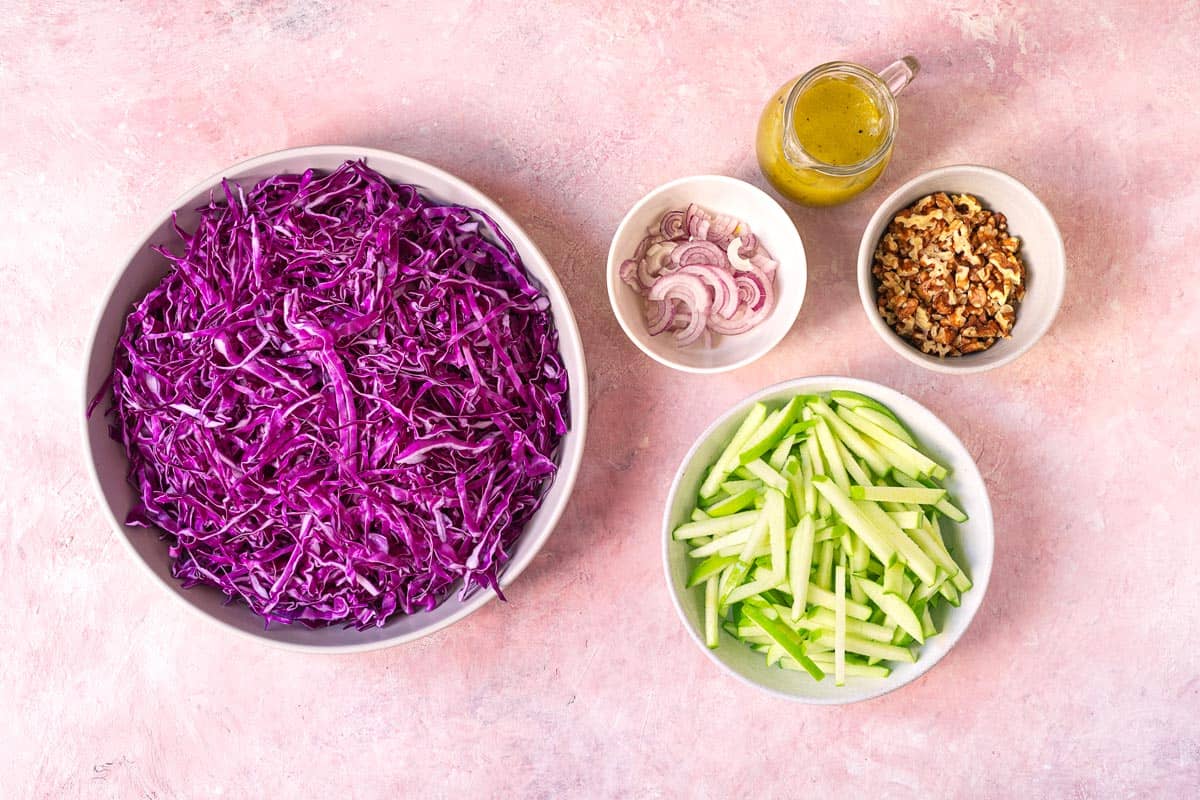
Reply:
x=948 y=276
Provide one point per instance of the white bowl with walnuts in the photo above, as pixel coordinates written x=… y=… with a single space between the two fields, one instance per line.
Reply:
x=962 y=269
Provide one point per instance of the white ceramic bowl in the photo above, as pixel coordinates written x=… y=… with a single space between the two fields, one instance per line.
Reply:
x=143 y=269
x=1041 y=248
x=971 y=543
x=717 y=194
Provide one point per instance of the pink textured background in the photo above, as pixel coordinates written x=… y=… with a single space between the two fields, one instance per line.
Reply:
x=1078 y=678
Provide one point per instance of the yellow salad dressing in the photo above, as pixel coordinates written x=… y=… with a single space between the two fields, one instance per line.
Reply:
x=836 y=123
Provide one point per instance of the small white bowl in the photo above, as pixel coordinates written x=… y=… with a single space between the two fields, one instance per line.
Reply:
x=716 y=194
x=972 y=544
x=108 y=465
x=1041 y=248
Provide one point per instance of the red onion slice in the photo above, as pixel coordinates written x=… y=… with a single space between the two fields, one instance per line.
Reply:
x=660 y=315
x=734 y=253
x=756 y=300
x=693 y=295
x=674 y=225
x=653 y=264
x=749 y=244
x=697 y=252
x=695 y=329
x=724 y=288
x=629 y=274
x=729 y=326
x=688 y=289
x=698 y=222
x=755 y=290
x=764 y=262
x=643 y=245
x=701 y=274
x=721 y=230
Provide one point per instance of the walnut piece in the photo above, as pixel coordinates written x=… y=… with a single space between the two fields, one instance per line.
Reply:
x=948 y=275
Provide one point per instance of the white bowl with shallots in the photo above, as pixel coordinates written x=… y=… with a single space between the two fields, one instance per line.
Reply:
x=965 y=304
x=706 y=274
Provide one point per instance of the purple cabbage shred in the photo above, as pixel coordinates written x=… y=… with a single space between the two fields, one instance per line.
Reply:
x=343 y=400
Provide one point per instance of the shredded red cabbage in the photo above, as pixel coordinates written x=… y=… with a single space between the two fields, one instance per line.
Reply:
x=343 y=399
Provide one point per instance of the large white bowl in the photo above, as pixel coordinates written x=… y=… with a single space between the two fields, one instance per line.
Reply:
x=1041 y=249
x=971 y=543
x=143 y=269
x=717 y=194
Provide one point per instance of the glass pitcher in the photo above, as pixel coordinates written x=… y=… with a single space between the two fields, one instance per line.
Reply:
x=827 y=135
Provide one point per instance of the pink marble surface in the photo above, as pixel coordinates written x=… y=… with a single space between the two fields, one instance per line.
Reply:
x=1078 y=678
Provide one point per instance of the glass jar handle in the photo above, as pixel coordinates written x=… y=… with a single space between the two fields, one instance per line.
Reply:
x=899 y=74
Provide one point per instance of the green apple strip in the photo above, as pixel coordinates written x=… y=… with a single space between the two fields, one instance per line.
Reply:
x=761 y=470
x=855 y=443
x=952 y=512
x=791 y=467
x=799 y=562
x=823 y=576
x=754 y=587
x=865 y=647
x=738 y=571
x=810 y=494
x=907 y=520
x=729 y=456
x=735 y=539
x=710 y=567
x=874 y=411
x=856 y=472
x=860 y=559
x=801 y=427
x=816 y=464
x=823 y=619
x=948 y=591
x=878 y=543
x=826 y=533
x=797 y=483
x=785 y=639
x=733 y=487
x=927 y=626
x=893 y=578
x=926 y=464
x=780 y=455
x=854 y=669
x=921 y=564
x=820 y=597
x=829 y=451
x=895 y=608
x=733 y=503
x=888 y=423
x=927 y=590
x=850 y=399
x=775 y=510
x=901 y=463
x=897 y=494
x=934 y=548
x=711 y=632
x=717 y=525
x=839 y=625
x=768 y=434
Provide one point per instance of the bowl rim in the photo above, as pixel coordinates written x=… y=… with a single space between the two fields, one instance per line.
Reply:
x=569 y=339
x=980 y=580
x=866 y=290
x=613 y=283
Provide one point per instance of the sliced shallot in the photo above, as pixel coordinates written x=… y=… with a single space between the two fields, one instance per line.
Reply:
x=701 y=274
